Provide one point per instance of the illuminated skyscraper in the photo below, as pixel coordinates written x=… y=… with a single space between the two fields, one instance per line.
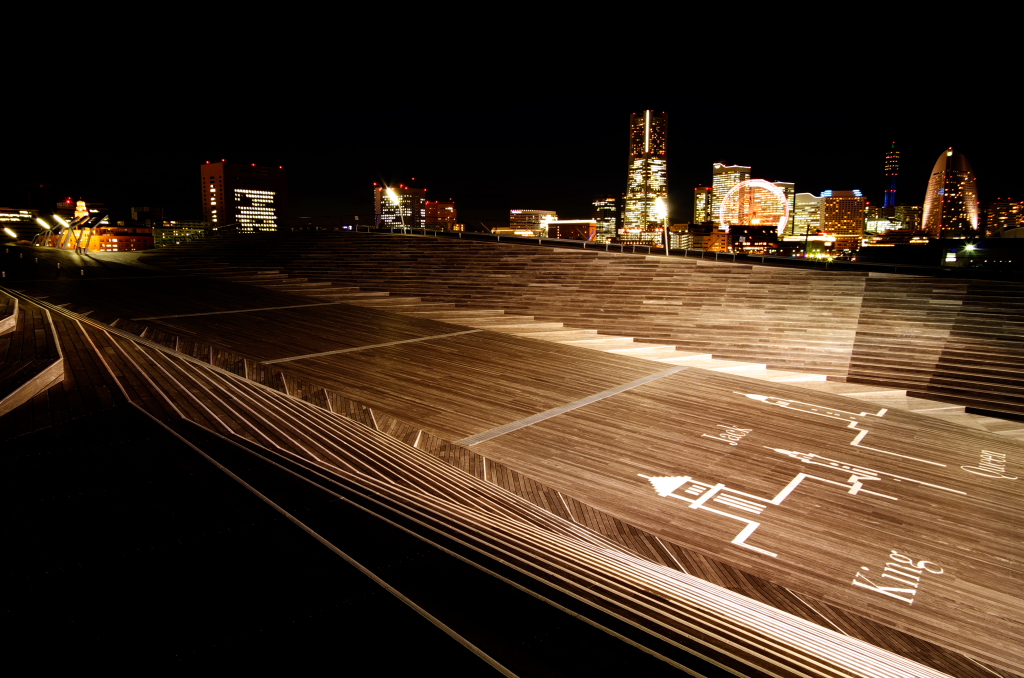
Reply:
x=725 y=177
x=951 y=201
x=648 y=176
x=1003 y=215
x=892 y=169
x=807 y=217
x=606 y=213
x=253 y=198
x=842 y=215
x=702 y=205
x=400 y=206
x=909 y=216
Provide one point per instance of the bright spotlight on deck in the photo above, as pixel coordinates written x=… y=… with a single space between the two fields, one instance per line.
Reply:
x=969 y=248
x=10 y=233
x=60 y=220
x=42 y=223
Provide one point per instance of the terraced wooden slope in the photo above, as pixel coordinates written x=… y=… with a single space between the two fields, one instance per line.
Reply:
x=958 y=341
x=526 y=527
x=961 y=342
x=287 y=331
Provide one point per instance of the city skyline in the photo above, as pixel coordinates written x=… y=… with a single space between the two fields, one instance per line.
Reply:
x=329 y=165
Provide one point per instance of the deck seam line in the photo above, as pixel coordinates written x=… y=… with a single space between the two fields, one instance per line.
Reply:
x=562 y=409
x=369 y=346
x=242 y=310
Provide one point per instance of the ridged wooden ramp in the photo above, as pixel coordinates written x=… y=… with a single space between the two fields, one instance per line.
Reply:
x=649 y=491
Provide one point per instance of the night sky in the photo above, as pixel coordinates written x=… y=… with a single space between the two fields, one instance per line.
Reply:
x=493 y=152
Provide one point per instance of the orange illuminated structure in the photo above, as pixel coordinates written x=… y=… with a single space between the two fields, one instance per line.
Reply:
x=755 y=202
x=121 y=239
x=84 y=236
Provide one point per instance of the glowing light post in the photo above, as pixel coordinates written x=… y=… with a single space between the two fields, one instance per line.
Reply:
x=46 y=227
x=393 y=197
x=65 y=231
x=969 y=248
x=662 y=210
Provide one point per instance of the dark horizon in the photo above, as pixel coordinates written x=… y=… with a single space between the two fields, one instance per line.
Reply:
x=489 y=162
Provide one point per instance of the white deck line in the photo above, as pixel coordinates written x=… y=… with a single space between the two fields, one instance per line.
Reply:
x=242 y=310
x=369 y=346
x=561 y=409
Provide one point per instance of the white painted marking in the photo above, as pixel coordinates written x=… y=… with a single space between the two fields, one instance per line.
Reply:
x=368 y=347
x=697 y=494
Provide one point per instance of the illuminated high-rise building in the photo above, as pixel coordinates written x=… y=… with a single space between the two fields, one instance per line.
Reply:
x=702 y=205
x=400 y=206
x=249 y=197
x=807 y=214
x=725 y=177
x=892 y=170
x=648 y=175
x=606 y=213
x=842 y=216
x=908 y=217
x=1002 y=215
x=875 y=220
x=951 y=201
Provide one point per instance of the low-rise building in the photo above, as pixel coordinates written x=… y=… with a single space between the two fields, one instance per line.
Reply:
x=573 y=229
x=178 y=232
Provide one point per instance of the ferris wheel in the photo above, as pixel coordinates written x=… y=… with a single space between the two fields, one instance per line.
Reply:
x=755 y=202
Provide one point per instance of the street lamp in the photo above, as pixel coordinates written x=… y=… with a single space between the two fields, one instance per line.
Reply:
x=969 y=249
x=661 y=210
x=393 y=197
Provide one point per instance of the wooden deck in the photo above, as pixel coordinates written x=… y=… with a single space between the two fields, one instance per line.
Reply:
x=959 y=341
x=583 y=468
x=30 y=357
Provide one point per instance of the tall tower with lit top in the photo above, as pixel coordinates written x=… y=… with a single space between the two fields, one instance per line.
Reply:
x=892 y=169
x=648 y=174
x=951 y=200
